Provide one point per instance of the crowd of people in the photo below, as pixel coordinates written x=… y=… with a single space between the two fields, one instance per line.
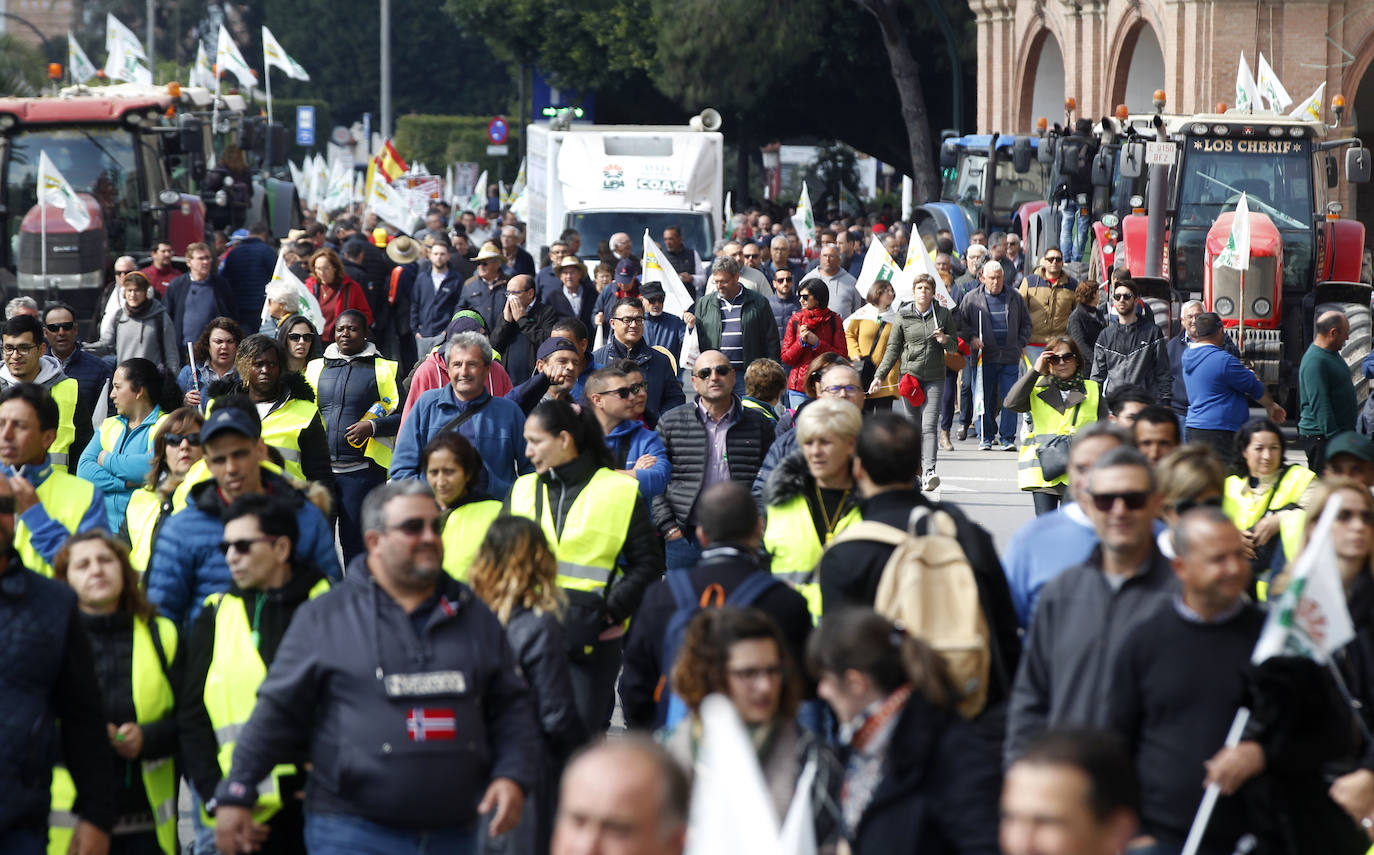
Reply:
x=386 y=584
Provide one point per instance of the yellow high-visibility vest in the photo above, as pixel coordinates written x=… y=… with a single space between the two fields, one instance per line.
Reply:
x=1047 y=423
x=66 y=499
x=378 y=448
x=594 y=530
x=153 y=700
x=790 y=537
x=463 y=533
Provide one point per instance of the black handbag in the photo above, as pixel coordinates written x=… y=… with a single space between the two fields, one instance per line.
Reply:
x=868 y=369
x=1053 y=453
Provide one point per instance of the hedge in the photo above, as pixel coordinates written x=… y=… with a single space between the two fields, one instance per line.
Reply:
x=438 y=141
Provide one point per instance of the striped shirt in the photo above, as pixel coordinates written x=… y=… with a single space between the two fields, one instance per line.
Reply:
x=732 y=331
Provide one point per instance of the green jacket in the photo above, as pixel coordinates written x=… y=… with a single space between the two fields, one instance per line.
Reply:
x=756 y=322
x=910 y=341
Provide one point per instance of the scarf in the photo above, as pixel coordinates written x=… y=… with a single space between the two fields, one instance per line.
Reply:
x=814 y=318
x=1074 y=383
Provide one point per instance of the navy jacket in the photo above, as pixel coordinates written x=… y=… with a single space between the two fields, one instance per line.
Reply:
x=415 y=749
x=558 y=301
x=91 y=373
x=665 y=390
x=347 y=388
x=222 y=295
x=247 y=268
x=482 y=299
x=431 y=310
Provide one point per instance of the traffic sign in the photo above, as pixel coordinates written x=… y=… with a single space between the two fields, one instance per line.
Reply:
x=305 y=125
x=498 y=150
x=497 y=131
x=1159 y=154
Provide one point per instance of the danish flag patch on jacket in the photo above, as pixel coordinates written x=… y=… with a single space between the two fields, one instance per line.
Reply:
x=425 y=724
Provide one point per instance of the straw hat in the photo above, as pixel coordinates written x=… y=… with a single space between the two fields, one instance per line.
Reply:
x=403 y=250
x=489 y=252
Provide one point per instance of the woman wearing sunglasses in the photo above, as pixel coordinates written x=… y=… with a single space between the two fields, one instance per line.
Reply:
x=1060 y=402
x=454 y=471
x=1263 y=493
x=117 y=459
x=301 y=341
x=1189 y=477
x=598 y=526
x=810 y=332
x=134 y=654
x=176 y=448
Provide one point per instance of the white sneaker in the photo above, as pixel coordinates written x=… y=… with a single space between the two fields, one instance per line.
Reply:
x=930 y=482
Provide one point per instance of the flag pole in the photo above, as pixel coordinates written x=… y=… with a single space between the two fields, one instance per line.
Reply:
x=1213 y=792
x=1240 y=317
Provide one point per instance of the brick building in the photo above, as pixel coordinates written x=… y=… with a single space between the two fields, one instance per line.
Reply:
x=1033 y=54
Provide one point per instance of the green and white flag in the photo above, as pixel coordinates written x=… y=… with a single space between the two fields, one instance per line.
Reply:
x=230 y=61
x=124 y=64
x=80 y=65
x=657 y=268
x=117 y=34
x=1236 y=254
x=274 y=56
x=54 y=190
x=1311 y=109
x=1247 y=94
x=477 y=202
x=1270 y=87
x=1310 y=617
x=202 y=72
x=306 y=304
x=918 y=261
x=804 y=220
x=878 y=266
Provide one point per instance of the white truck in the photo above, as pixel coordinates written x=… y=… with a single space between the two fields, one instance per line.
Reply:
x=603 y=179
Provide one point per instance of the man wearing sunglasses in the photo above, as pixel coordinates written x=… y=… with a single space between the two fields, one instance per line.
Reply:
x=617 y=394
x=1049 y=298
x=91 y=373
x=715 y=439
x=627 y=342
x=403 y=685
x=232 y=645
x=1131 y=351
x=1087 y=611
x=187 y=565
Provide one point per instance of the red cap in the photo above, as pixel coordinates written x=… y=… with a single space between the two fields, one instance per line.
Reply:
x=910 y=390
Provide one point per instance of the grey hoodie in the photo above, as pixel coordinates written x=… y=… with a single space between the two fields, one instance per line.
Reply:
x=150 y=335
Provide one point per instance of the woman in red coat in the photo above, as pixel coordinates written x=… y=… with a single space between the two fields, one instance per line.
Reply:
x=335 y=290
x=810 y=332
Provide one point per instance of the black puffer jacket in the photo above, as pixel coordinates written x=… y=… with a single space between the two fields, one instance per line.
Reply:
x=684 y=436
x=346 y=388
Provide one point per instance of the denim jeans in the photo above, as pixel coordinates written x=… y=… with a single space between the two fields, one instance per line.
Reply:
x=997 y=382
x=337 y=834
x=350 y=488
x=683 y=553
x=947 y=406
x=1071 y=239
x=966 y=394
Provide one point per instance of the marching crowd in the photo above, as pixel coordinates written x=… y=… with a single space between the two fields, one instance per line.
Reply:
x=382 y=585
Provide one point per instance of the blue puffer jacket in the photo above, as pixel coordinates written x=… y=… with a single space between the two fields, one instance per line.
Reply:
x=187 y=566
x=126 y=462
x=665 y=392
x=637 y=440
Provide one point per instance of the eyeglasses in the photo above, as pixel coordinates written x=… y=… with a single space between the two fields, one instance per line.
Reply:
x=1134 y=500
x=243 y=546
x=301 y=336
x=748 y=255
x=1122 y=296
x=1183 y=506
x=515 y=292
x=750 y=675
x=841 y=391
x=782 y=278
x=175 y=439
x=1053 y=259
x=721 y=371
x=65 y=326
x=415 y=525
x=1346 y=515
x=630 y=320
x=625 y=392
x=19 y=348
x=1057 y=358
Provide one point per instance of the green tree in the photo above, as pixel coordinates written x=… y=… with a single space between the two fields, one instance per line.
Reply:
x=23 y=68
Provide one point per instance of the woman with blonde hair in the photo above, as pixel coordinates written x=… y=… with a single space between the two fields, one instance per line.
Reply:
x=867 y=333
x=514 y=574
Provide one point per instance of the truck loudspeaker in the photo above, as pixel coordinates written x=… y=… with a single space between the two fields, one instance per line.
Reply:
x=707 y=120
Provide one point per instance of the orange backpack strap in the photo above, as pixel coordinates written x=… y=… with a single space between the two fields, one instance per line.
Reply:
x=395 y=281
x=713 y=591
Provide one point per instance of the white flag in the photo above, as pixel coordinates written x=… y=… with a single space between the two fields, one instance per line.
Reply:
x=54 y=190
x=804 y=221
x=123 y=64
x=319 y=184
x=306 y=304
x=1236 y=254
x=918 y=261
x=1270 y=87
x=659 y=269
x=1310 y=618
x=297 y=178
x=477 y=203
x=340 y=192
x=729 y=215
x=203 y=72
x=116 y=34
x=80 y=65
x=1311 y=109
x=1247 y=94
x=878 y=266
x=230 y=61
x=389 y=204
x=274 y=56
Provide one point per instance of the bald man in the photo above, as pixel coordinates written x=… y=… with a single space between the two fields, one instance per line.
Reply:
x=1326 y=395
x=622 y=797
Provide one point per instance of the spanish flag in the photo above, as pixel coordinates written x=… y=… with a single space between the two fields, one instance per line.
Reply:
x=389 y=162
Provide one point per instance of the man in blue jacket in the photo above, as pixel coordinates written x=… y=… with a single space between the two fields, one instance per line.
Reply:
x=1219 y=389
x=434 y=297
x=617 y=395
x=248 y=268
x=627 y=342
x=187 y=565
x=403 y=685
x=494 y=426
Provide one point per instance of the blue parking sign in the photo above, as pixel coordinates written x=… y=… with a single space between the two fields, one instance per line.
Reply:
x=305 y=125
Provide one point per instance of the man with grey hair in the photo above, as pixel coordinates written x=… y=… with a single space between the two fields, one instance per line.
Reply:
x=620 y=245
x=997 y=322
x=1086 y=611
x=1177 y=345
x=21 y=306
x=408 y=740
x=845 y=299
x=734 y=320
x=778 y=249
x=494 y=426
x=629 y=790
x=517 y=261
x=281 y=304
x=751 y=277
